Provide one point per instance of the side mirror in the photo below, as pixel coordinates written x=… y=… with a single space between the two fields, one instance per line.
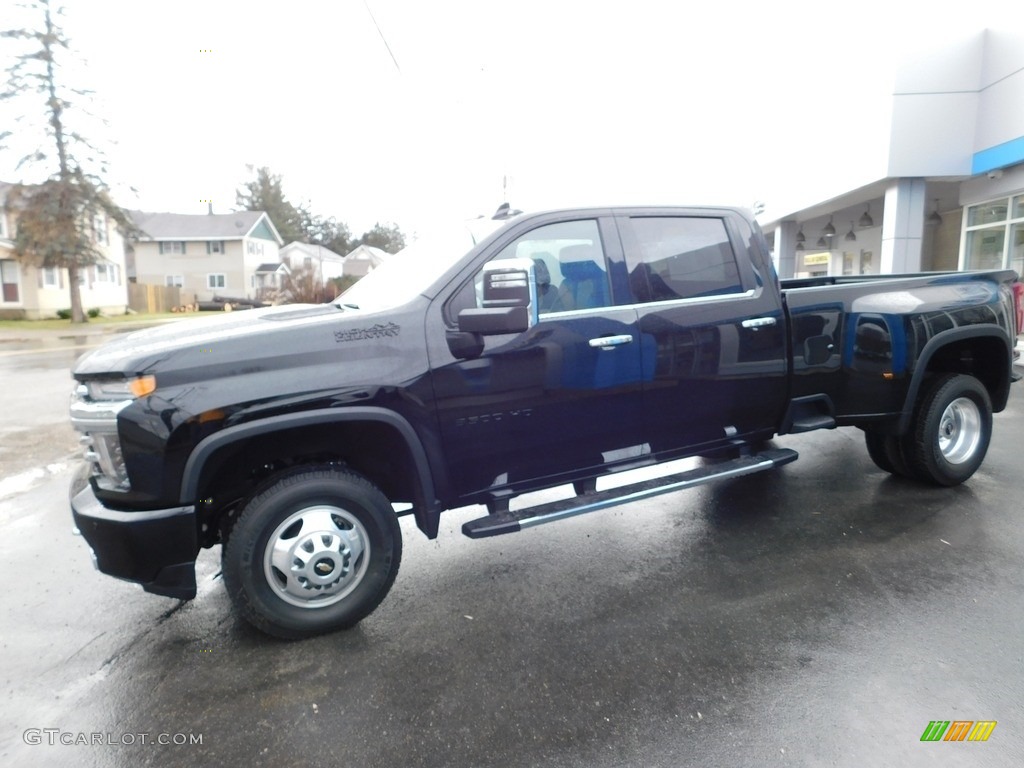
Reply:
x=509 y=283
x=509 y=303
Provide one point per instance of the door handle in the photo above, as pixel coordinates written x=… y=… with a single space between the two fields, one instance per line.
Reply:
x=608 y=343
x=758 y=322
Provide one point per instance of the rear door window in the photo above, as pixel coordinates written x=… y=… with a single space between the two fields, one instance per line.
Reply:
x=680 y=257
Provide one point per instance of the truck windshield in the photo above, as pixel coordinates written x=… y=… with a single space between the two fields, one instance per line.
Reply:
x=408 y=273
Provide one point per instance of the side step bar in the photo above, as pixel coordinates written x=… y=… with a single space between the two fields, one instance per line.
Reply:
x=510 y=521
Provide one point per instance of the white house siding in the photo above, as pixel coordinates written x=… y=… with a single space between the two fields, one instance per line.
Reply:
x=195 y=266
x=37 y=298
x=255 y=251
x=328 y=264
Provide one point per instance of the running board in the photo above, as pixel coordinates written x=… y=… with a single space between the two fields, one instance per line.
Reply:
x=510 y=521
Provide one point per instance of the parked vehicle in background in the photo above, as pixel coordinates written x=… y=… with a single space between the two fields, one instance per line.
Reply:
x=561 y=347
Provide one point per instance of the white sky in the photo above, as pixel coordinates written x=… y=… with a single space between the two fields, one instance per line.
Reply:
x=575 y=102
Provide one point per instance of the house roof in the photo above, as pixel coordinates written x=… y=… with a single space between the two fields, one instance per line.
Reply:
x=374 y=255
x=203 y=226
x=313 y=251
x=271 y=266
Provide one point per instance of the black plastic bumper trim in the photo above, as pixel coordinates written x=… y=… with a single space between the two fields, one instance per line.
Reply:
x=156 y=548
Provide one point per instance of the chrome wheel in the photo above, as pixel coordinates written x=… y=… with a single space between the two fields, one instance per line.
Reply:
x=949 y=431
x=960 y=430
x=316 y=557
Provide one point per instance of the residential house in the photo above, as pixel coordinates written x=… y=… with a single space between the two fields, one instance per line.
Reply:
x=362 y=260
x=230 y=255
x=325 y=263
x=33 y=293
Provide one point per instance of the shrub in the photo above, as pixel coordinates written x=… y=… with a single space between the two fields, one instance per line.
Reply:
x=64 y=314
x=94 y=312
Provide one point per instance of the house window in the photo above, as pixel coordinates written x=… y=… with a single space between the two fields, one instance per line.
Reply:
x=215 y=246
x=9 y=280
x=994 y=235
x=99 y=230
x=174 y=281
x=254 y=248
x=172 y=247
x=216 y=280
x=50 y=277
x=108 y=273
x=308 y=262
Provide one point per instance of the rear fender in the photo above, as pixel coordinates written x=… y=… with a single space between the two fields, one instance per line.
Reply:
x=998 y=385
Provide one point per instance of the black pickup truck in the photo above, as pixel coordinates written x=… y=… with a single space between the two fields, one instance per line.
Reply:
x=556 y=348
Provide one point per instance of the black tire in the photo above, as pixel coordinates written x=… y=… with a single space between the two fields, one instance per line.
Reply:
x=950 y=431
x=879 y=451
x=314 y=551
x=889 y=453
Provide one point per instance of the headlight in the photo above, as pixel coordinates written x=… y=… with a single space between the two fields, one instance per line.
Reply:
x=94 y=409
x=121 y=389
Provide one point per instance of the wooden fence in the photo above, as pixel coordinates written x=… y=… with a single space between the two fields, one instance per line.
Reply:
x=153 y=298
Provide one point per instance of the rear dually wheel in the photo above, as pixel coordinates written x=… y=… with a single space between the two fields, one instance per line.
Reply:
x=950 y=431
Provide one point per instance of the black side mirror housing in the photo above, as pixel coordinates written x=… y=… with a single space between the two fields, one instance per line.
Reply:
x=492 y=321
x=464 y=345
x=508 y=305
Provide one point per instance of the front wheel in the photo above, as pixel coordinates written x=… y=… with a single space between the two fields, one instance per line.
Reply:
x=951 y=430
x=315 y=551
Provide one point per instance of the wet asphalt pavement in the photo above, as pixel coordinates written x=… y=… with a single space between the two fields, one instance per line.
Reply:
x=818 y=615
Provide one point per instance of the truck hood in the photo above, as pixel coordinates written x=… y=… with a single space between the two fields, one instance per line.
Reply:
x=228 y=340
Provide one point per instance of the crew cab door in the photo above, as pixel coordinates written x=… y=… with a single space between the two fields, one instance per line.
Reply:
x=561 y=399
x=715 y=325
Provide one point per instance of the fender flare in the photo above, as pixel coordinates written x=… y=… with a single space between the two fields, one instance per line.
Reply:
x=941 y=340
x=426 y=512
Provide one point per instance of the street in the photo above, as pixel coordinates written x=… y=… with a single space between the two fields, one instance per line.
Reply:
x=821 y=614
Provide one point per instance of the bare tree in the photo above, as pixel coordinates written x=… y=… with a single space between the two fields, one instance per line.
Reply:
x=303 y=285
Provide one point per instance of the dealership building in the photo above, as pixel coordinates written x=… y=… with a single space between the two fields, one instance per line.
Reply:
x=948 y=193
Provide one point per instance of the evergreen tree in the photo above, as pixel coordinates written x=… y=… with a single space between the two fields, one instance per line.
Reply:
x=295 y=223
x=55 y=218
x=266 y=193
x=387 y=237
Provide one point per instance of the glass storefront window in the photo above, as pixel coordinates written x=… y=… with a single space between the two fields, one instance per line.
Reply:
x=1018 y=207
x=987 y=213
x=985 y=248
x=1017 y=248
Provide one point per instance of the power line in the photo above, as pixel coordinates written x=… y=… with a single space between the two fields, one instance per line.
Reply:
x=383 y=39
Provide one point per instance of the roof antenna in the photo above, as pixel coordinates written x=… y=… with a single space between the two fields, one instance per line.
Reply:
x=505 y=211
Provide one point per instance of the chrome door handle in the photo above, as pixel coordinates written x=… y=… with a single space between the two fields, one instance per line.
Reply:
x=608 y=343
x=758 y=322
